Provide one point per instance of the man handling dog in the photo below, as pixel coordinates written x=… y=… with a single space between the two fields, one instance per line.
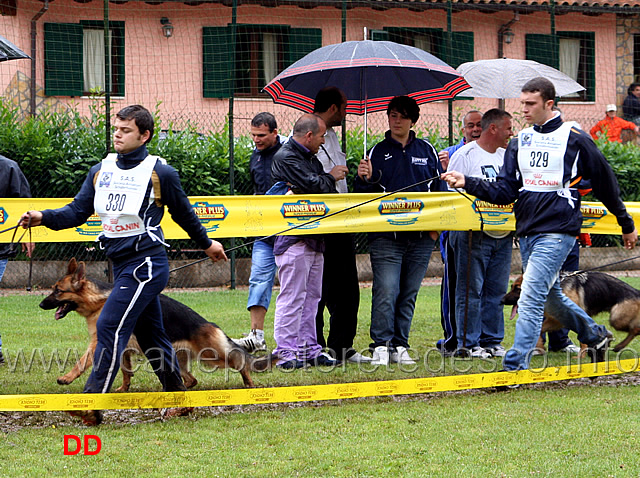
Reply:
x=542 y=165
x=129 y=190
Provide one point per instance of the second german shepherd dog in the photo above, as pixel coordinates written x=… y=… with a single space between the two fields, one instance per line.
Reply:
x=594 y=292
x=191 y=335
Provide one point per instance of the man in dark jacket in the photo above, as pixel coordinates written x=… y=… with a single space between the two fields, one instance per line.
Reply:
x=542 y=166
x=399 y=259
x=129 y=190
x=300 y=258
x=264 y=131
x=13 y=184
x=631 y=104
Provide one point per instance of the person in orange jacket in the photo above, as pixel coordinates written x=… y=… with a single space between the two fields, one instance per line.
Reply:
x=613 y=125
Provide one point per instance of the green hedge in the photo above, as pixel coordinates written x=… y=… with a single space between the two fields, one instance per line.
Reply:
x=56 y=149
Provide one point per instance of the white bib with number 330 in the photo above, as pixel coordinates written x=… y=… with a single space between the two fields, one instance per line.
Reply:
x=119 y=196
x=541 y=158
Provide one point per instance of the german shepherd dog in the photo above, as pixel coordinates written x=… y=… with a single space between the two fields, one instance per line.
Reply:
x=191 y=335
x=594 y=292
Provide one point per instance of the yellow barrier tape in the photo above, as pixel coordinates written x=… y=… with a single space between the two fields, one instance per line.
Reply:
x=208 y=398
x=250 y=216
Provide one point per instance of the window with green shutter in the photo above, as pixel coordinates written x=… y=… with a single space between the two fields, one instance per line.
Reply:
x=573 y=53
x=74 y=61
x=261 y=53
x=432 y=40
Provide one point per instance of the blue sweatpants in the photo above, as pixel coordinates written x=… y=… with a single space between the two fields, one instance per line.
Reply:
x=134 y=307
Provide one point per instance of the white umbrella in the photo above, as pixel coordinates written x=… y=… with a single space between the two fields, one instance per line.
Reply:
x=505 y=77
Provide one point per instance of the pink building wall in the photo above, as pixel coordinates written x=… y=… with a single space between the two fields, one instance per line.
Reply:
x=169 y=71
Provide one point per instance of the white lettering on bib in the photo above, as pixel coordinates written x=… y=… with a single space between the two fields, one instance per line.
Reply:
x=541 y=158
x=119 y=196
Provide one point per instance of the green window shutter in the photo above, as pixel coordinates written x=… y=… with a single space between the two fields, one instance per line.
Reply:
x=301 y=42
x=542 y=48
x=461 y=48
x=63 y=70
x=379 y=35
x=216 y=62
x=590 y=58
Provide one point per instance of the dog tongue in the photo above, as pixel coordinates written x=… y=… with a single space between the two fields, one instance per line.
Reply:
x=59 y=312
x=514 y=311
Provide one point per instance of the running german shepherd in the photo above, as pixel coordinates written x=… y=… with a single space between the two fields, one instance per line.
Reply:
x=594 y=292
x=191 y=335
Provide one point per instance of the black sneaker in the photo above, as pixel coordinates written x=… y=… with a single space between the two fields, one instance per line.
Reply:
x=292 y=364
x=598 y=352
x=323 y=360
x=1 y=358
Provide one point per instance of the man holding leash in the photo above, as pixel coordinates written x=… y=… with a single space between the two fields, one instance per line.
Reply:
x=129 y=190
x=542 y=165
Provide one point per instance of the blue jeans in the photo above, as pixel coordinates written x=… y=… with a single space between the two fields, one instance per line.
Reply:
x=542 y=258
x=398 y=266
x=479 y=311
x=263 y=272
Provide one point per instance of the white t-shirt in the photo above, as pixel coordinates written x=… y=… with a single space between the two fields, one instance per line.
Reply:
x=331 y=156
x=471 y=160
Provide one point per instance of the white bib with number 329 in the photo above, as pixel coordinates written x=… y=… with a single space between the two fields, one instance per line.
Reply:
x=541 y=158
x=119 y=196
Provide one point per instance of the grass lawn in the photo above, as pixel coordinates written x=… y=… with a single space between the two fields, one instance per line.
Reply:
x=584 y=427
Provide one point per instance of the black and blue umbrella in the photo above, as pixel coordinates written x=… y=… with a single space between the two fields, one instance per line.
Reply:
x=8 y=51
x=370 y=73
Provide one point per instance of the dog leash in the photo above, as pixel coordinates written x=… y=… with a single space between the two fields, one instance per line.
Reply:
x=602 y=266
x=15 y=243
x=312 y=221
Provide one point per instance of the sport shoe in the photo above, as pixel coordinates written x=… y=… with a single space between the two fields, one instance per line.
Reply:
x=572 y=349
x=598 y=352
x=323 y=360
x=1 y=357
x=401 y=356
x=251 y=343
x=358 y=358
x=292 y=364
x=496 y=351
x=479 y=352
x=380 y=356
x=91 y=418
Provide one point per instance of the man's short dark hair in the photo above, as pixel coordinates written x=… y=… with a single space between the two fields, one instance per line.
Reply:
x=266 y=119
x=540 y=85
x=632 y=87
x=140 y=115
x=326 y=97
x=306 y=123
x=406 y=106
x=493 y=116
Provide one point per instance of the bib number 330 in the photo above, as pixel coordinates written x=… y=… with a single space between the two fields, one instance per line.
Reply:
x=115 y=202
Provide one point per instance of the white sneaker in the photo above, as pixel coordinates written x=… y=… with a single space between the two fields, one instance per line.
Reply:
x=401 y=356
x=380 y=356
x=497 y=351
x=479 y=352
x=572 y=349
x=358 y=358
x=251 y=343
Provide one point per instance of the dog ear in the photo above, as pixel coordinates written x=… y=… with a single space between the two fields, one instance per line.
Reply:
x=78 y=277
x=72 y=266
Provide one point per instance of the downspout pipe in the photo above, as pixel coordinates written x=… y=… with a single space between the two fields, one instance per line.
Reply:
x=34 y=35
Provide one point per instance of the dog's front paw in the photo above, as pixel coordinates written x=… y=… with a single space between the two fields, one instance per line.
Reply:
x=64 y=380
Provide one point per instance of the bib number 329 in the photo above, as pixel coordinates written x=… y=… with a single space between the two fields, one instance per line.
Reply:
x=539 y=159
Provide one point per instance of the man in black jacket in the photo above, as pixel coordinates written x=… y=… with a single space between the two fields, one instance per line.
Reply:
x=542 y=167
x=13 y=184
x=300 y=258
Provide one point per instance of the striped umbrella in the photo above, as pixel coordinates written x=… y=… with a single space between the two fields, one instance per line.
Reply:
x=370 y=73
x=8 y=51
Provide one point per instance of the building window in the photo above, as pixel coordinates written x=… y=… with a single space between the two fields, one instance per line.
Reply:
x=74 y=58
x=261 y=52
x=432 y=40
x=573 y=53
x=636 y=57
